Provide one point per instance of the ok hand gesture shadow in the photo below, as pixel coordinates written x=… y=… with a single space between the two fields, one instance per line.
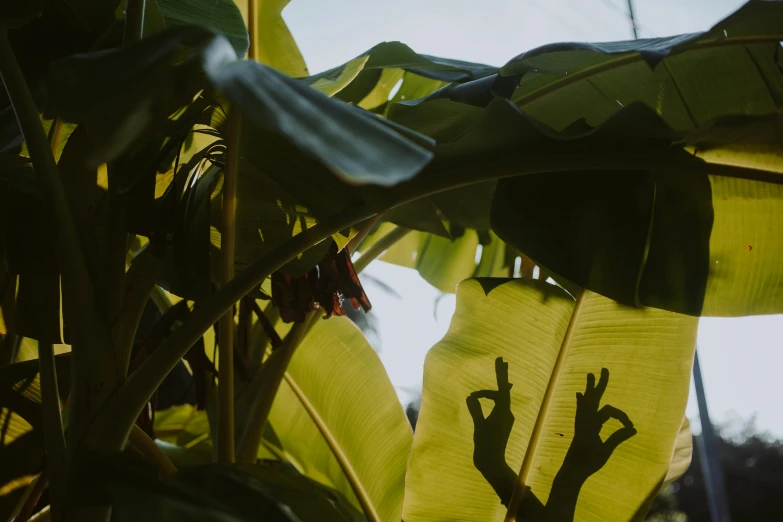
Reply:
x=586 y=455
x=491 y=434
x=587 y=450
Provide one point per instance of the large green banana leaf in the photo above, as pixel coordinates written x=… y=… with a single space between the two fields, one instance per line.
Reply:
x=339 y=421
x=589 y=395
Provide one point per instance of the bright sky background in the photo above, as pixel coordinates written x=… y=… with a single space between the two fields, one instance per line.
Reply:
x=741 y=358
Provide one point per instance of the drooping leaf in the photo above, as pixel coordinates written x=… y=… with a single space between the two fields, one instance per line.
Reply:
x=351 y=143
x=336 y=399
x=486 y=411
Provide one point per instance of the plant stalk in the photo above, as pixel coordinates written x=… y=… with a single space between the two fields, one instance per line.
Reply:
x=225 y=450
x=54 y=438
x=134 y=21
x=252 y=29
x=278 y=362
x=381 y=246
x=364 y=229
x=147 y=447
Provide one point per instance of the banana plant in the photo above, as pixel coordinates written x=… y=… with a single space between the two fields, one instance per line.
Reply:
x=145 y=159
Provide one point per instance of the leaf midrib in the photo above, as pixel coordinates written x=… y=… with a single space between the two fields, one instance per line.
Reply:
x=345 y=464
x=535 y=438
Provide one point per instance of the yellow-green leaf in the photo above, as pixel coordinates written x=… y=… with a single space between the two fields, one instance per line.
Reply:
x=275 y=45
x=746 y=268
x=682 y=454
x=443 y=262
x=551 y=345
x=339 y=421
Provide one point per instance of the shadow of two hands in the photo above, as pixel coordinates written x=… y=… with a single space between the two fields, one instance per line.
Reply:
x=587 y=453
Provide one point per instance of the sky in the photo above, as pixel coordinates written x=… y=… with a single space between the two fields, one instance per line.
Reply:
x=741 y=358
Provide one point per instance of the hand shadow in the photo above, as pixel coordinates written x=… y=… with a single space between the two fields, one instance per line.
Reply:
x=586 y=455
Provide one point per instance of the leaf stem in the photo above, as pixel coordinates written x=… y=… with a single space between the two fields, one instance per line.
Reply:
x=252 y=29
x=225 y=450
x=364 y=229
x=134 y=21
x=278 y=362
x=381 y=246
x=54 y=438
x=147 y=447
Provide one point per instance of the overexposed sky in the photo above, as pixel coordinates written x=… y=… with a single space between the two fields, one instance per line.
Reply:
x=741 y=358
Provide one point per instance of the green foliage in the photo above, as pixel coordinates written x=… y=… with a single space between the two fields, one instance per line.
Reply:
x=644 y=177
